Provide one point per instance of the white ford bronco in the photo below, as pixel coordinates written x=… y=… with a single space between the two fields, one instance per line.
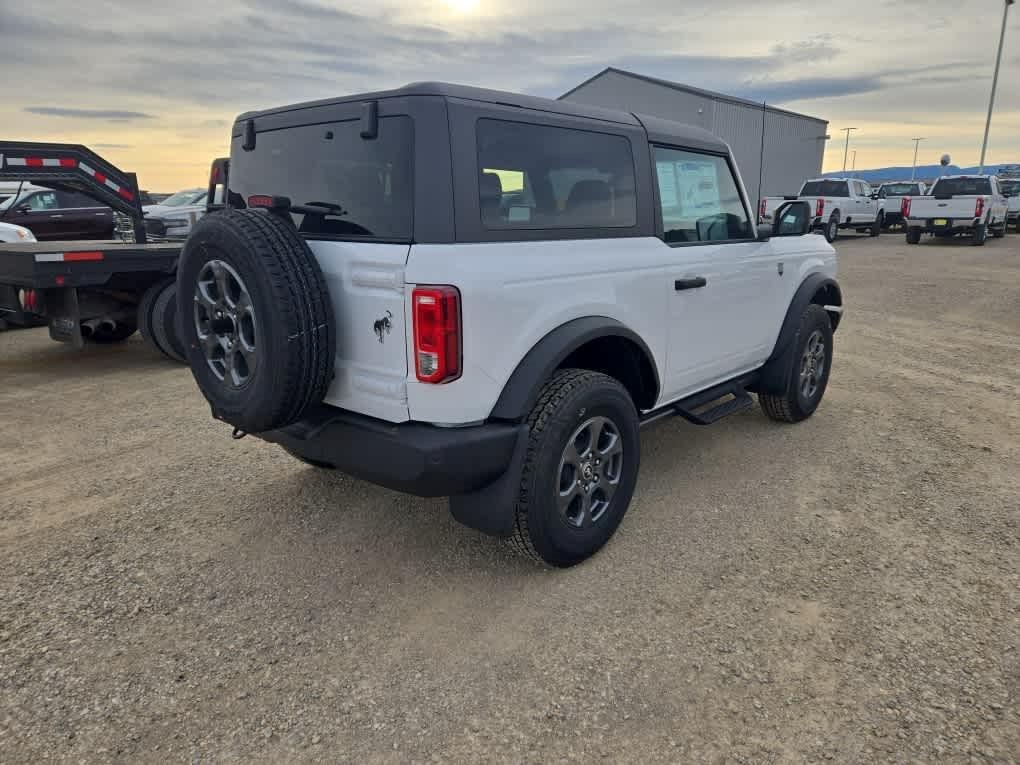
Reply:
x=459 y=292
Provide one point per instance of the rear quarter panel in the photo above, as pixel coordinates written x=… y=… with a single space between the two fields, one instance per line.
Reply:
x=515 y=293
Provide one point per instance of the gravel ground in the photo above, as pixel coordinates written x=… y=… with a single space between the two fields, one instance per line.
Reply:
x=845 y=590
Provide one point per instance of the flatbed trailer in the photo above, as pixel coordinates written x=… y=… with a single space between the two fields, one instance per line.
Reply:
x=90 y=291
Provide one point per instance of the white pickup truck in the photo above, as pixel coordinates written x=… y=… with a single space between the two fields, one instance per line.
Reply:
x=958 y=204
x=1010 y=188
x=837 y=203
x=893 y=194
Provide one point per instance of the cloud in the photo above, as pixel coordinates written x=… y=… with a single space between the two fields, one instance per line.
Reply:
x=116 y=115
x=809 y=88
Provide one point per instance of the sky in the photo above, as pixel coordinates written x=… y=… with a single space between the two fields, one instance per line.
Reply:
x=155 y=87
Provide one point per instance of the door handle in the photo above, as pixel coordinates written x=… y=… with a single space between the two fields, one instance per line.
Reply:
x=691 y=283
x=57 y=215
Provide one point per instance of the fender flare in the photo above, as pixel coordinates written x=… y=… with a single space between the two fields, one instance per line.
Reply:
x=522 y=388
x=775 y=373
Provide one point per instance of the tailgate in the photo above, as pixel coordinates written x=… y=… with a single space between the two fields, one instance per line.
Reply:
x=930 y=207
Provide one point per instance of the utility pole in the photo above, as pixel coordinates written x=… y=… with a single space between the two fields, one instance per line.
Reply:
x=913 y=170
x=846 y=149
x=853 y=162
x=995 y=82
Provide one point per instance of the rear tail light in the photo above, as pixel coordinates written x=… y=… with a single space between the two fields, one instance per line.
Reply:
x=819 y=207
x=29 y=300
x=979 y=207
x=905 y=207
x=437 y=336
x=761 y=209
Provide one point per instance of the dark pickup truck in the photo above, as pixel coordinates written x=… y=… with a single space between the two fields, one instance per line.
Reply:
x=90 y=291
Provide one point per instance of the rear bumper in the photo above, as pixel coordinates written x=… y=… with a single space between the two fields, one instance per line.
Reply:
x=411 y=457
x=951 y=224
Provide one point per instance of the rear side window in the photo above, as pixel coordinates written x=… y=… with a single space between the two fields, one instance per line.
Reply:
x=340 y=185
x=825 y=189
x=536 y=177
x=699 y=198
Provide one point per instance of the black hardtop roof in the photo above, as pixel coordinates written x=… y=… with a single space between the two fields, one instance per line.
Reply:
x=658 y=129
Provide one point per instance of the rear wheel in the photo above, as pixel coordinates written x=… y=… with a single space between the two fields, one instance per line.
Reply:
x=980 y=235
x=145 y=313
x=913 y=235
x=581 y=467
x=164 y=323
x=809 y=373
x=876 y=227
x=999 y=231
x=831 y=230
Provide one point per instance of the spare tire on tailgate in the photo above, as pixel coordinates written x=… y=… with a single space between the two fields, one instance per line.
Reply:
x=255 y=318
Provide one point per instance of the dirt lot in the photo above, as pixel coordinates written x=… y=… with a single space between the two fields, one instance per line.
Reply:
x=847 y=589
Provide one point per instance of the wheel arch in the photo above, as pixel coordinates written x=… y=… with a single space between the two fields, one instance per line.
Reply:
x=596 y=343
x=818 y=289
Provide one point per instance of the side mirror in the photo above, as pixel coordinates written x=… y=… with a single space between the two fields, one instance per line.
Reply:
x=764 y=232
x=792 y=219
x=23 y=208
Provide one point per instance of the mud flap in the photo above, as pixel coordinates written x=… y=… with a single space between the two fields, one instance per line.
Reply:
x=491 y=508
x=65 y=320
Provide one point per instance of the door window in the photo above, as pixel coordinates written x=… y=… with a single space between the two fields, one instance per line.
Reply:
x=699 y=198
x=74 y=200
x=42 y=201
x=538 y=177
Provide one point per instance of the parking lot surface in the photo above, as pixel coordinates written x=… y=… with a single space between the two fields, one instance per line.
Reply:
x=846 y=589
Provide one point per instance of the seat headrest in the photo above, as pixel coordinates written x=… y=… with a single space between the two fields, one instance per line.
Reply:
x=490 y=187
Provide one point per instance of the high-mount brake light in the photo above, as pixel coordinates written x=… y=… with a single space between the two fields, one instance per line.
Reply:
x=437 y=335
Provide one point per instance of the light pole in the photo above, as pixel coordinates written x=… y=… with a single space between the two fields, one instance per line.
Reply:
x=846 y=149
x=913 y=170
x=995 y=82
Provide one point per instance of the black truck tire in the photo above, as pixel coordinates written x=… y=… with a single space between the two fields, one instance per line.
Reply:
x=565 y=512
x=831 y=230
x=913 y=235
x=145 y=306
x=255 y=319
x=164 y=324
x=980 y=235
x=806 y=382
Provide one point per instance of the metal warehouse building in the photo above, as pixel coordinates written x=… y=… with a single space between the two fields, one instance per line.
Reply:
x=793 y=143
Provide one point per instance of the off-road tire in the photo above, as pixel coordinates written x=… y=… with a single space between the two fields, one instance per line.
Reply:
x=876 y=227
x=831 y=230
x=792 y=405
x=144 y=314
x=567 y=399
x=291 y=311
x=980 y=235
x=120 y=332
x=164 y=324
x=913 y=235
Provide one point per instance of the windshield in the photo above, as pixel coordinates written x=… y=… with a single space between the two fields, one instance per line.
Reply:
x=961 y=186
x=189 y=197
x=825 y=189
x=898 y=190
x=1010 y=188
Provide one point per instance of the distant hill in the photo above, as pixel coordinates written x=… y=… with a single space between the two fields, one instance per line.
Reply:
x=924 y=172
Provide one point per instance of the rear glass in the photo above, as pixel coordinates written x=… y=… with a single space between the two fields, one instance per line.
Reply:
x=964 y=186
x=339 y=184
x=825 y=189
x=899 y=190
x=1012 y=188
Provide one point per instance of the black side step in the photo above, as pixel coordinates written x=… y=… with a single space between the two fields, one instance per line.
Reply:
x=708 y=406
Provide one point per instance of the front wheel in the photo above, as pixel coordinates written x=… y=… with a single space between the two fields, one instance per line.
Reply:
x=832 y=228
x=581 y=467
x=809 y=373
